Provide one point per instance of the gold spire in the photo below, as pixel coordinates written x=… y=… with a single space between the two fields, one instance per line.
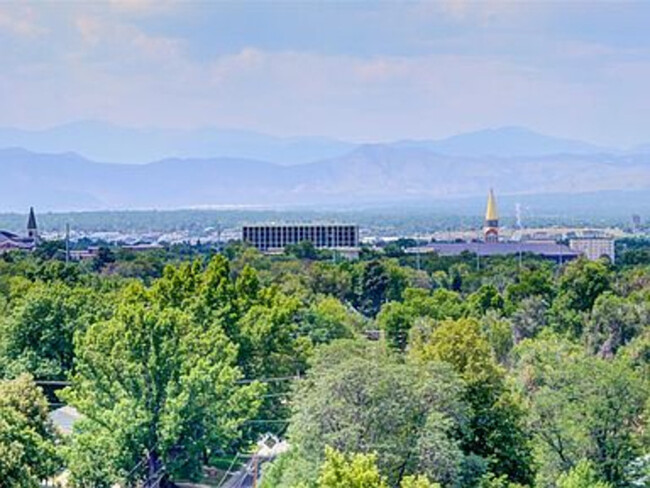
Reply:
x=491 y=213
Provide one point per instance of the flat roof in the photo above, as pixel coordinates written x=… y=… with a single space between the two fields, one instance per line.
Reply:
x=496 y=248
x=306 y=224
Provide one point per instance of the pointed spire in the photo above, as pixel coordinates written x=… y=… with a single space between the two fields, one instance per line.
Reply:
x=31 y=222
x=491 y=213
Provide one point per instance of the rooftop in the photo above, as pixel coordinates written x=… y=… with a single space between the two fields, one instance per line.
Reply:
x=496 y=248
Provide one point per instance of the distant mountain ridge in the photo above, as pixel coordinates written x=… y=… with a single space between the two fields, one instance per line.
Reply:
x=369 y=173
x=100 y=141
x=507 y=141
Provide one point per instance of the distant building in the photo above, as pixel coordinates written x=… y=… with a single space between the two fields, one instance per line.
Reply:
x=10 y=241
x=594 y=248
x=559 y=253
x=491 y=228
x=491 y=246
x=93 y=251
x=272 y=237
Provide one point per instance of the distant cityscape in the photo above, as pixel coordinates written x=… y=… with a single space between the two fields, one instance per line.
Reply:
x=557 y=243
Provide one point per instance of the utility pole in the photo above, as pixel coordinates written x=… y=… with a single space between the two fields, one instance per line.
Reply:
x=255 y=471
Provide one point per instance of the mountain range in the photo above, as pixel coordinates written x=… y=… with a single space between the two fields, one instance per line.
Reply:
x=100 y=141
x=400 y=172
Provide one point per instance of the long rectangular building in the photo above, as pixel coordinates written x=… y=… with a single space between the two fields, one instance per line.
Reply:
x=271 y=237
x=556 y=252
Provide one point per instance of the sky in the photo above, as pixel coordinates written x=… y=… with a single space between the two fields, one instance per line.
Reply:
x=358 y=71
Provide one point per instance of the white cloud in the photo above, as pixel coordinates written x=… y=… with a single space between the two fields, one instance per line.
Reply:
x=108 y=62
x=20 y=20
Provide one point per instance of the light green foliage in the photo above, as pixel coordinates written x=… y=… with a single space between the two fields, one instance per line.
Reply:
x=360 y=471
x=349 y=471
x=440 y=304
x=398 y=318
x=417 y=482
x=492 y=481
x=27 y=440
x=328 y=319
x=462 y=344
x=158 y=392
x=583 y=475
x=263 y=322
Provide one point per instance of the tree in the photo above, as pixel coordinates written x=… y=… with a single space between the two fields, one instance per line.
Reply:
x=328 y=319
x=396 y=320
x=159 y=394
x=580 y=285
x=349 y=471
x=37 y=336
x=440 y=305
x=27 y=439
x=487 y=297
x=104 y=256
x=583 y=475
x=614 y=322
x=302 y=250
x=359 y=398
x=529 y=318
x=374 y=286
x=582 y=407
x=529 y=284
x=360 y=471
x=499 y=333
x=496 y=429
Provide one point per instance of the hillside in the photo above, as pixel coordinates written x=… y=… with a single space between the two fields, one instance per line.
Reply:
x=367 y=174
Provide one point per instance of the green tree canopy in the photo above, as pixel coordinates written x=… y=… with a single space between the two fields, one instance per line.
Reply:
x=159 y=393
x=358 y=398
x=27 y=440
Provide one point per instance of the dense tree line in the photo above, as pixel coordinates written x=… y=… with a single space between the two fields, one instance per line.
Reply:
x=393 y=370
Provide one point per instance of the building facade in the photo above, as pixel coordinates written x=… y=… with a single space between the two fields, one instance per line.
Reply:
x=273 y=237
x=594 y=248
x=10 y=241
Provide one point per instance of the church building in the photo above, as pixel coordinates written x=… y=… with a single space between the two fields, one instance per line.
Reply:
x=491 y=227
x=10 y=241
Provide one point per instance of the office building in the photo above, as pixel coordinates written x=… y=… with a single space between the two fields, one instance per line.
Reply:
x=272 y=237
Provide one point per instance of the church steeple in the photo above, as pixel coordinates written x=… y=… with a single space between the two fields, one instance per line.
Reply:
x=491 y=228
x=32 y=228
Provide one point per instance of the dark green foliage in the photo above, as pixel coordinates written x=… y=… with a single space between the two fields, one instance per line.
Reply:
x=373 y=287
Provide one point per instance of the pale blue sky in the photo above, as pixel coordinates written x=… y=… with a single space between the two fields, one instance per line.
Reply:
x=351 y=70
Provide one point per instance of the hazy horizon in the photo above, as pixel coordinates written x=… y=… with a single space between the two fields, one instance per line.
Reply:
x=362 y=72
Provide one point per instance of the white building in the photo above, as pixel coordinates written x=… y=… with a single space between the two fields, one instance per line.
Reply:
x=594 y=248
